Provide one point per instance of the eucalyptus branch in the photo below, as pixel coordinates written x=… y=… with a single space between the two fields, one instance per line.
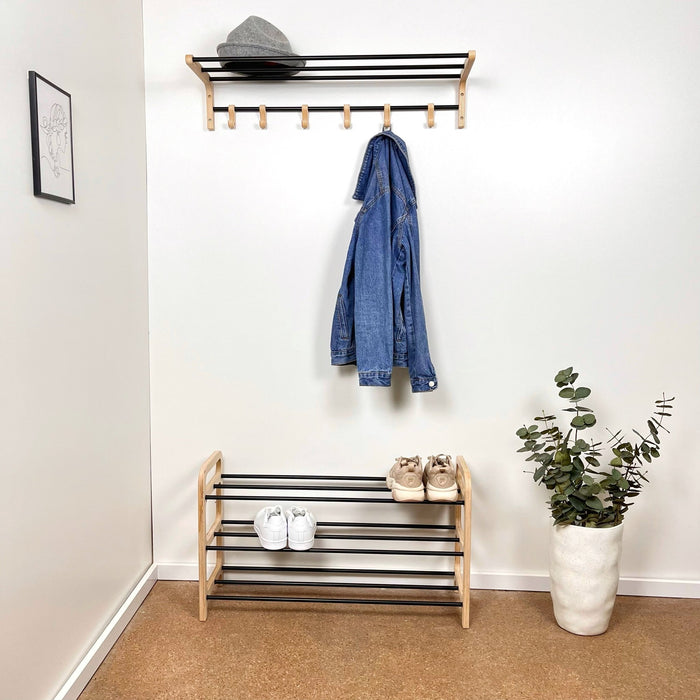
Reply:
x=569 y=468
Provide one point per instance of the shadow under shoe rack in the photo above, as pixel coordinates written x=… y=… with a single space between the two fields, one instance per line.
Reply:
x=222 y=487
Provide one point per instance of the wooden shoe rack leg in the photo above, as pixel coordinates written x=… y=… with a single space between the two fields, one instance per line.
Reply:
x=314 y=488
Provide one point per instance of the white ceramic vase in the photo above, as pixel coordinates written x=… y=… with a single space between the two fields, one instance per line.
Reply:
x=584 y=572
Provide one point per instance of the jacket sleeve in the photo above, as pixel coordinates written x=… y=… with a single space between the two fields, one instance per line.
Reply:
x=373 y=296
x=420 y=367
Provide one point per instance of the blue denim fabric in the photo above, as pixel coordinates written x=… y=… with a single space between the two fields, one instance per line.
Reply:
x=379 y=321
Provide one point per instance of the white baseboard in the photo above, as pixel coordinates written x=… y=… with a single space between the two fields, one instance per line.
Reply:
x=654 y=587
x=86 y=668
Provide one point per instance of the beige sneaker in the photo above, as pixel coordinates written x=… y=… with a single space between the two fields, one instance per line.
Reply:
x=440 y=478
x=405 y=479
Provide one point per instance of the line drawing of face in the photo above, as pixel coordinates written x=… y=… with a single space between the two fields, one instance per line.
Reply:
x=56 y=130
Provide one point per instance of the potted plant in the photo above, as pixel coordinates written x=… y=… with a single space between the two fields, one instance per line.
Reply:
x=588 y=502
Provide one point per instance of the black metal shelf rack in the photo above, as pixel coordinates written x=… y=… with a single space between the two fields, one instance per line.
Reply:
x=430 y=537
x=339 y=67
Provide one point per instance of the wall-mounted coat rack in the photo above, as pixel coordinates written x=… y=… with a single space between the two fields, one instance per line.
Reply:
x=340 y=67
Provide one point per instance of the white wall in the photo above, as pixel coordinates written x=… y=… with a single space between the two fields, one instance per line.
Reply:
x=74 y=445
x=559 y=228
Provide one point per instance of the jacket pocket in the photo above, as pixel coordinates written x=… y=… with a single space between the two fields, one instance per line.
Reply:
x=342 y=318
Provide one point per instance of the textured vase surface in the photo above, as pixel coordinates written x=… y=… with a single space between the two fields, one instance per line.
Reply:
x=584 y=568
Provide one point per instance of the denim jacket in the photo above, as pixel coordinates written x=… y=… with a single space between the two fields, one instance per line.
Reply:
x=379 y=320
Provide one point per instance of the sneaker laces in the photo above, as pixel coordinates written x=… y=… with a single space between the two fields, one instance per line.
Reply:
x=298 y=512
x=273 y=512
x=409 y=462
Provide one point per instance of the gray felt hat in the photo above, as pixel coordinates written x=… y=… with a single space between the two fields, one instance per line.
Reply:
x=257 y=37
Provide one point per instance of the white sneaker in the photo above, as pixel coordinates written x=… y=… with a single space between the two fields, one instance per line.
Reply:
x=271 y=526
x=301 y=528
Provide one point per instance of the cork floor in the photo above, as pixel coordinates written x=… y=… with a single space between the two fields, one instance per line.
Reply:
x=514 y=649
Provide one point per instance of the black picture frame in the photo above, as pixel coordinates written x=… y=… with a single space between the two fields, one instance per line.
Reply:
x=51 y=118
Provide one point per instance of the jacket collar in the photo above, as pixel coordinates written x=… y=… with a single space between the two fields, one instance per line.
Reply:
x=399 y=145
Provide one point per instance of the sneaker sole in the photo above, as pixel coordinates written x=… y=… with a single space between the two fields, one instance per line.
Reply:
x=301 y=546
x=438 y=494
x=406 y=493
x=271 y=544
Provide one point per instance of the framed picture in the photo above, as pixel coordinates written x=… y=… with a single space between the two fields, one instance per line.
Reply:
x=52 y=140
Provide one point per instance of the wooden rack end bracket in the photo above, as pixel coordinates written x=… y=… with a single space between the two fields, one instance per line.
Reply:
x=462 y=102
x=231 y=117
x=463 y=518
x=387 y=116
x=346 y=116
x=197 y=69
x=205 y=537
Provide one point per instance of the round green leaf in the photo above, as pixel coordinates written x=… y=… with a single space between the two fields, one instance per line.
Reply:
x=594 y=503
x=582 y=392
x=589 y=419
x=578 y=422
x=567 y=393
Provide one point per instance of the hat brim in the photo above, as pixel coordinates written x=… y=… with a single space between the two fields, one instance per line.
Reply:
x=284 y=66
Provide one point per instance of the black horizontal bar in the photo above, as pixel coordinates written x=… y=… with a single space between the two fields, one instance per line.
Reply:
x=337 y=570
x=400 y=538
x=296 y=487
x=333 y=550
x=358 y=601
x=300 y=477
x=334 y=500
x=336 y=584
x=276 y=69
x=303 y=78
x=333 y=57
x=397 y=526
x=358 y=108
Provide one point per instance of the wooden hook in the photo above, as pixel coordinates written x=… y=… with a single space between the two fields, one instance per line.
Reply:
x=346 y=116
x=305 y=116
x=431 y=115
x=231 y=117
x=263 y=117
x=387 y=116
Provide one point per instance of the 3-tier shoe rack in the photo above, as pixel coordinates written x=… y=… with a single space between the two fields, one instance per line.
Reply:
x=230 y=570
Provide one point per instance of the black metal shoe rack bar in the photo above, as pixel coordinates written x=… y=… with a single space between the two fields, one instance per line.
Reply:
x=223 y=536
x=342 y=67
